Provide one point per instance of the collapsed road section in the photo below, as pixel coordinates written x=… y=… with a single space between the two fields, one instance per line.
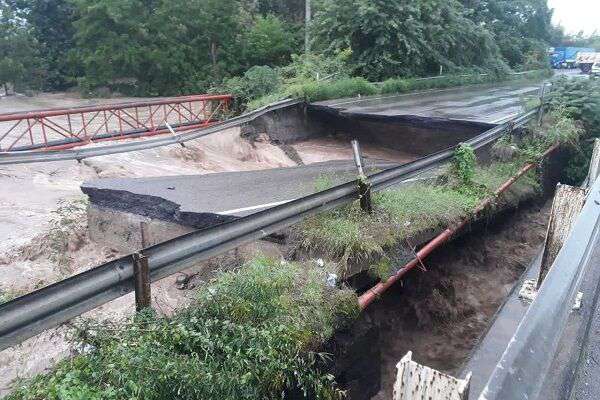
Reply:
x=90 y=289
x=239 y=212
x=308 y=135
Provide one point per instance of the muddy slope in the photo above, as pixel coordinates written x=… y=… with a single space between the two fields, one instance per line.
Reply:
x=440 y=314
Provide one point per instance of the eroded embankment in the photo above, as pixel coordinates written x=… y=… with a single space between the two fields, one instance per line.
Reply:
x=439 y=314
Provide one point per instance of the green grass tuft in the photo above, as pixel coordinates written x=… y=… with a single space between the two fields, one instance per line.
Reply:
x=316 y=91
x=312 y=90
x=252 y=334
x=347 y=233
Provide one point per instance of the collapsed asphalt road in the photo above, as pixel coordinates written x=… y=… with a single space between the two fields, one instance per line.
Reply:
x=194 y=200
x=444 y=118
x=490 y=104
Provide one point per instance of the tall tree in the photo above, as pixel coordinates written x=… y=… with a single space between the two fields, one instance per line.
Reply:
x=20 y=63
x=519 y=27
x=51 y=24
x=269 y=41
x=163 y=47
x=398 y=37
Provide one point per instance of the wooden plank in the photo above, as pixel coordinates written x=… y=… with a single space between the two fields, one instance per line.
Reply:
x=416 y=382
x=566 y=207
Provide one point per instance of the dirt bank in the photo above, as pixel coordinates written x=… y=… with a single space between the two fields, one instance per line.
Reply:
x=440 y=314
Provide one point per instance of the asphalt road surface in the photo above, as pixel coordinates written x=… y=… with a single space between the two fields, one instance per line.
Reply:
x=483 y=103
x=241 y=193
x=233 y=194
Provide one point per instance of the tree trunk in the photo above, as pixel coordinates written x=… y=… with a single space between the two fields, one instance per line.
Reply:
x=213 y=56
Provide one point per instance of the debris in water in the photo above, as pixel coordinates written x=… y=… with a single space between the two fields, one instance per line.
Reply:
x=528 y=290
x=332 y=280
x=418 y=381
x=578 y=298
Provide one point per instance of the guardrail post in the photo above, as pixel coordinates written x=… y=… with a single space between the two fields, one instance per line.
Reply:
x=144 y=234
x=364 y=186
x=541 y=109
x=173 y=132
x=141 y=278
x=510 y=130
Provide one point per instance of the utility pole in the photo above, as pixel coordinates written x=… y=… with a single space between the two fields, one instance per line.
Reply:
x=307 y=18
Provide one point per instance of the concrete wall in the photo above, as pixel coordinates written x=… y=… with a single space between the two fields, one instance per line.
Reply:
x=124 y=231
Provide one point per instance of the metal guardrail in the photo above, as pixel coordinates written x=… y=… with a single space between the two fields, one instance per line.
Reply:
x=23 y=157
x=63 y=128
x=48 y=307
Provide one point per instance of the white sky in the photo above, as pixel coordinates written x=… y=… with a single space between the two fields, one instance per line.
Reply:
x=577 y=15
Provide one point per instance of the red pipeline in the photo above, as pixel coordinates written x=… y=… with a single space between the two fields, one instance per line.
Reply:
x=376 y=291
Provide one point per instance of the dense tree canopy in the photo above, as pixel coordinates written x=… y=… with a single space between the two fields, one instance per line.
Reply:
x=20 y=63
x=396 y=37
x=154 y=47
x=519 y=27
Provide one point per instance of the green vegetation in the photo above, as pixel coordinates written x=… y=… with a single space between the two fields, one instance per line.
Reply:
x=141 y=47
x=463 y=164
x=313 y=90
x=348 y=234
x=20 y=63
x=399 y=38
x=252 y=334
x=578 y=100
x=7 y=295
x=68 y=226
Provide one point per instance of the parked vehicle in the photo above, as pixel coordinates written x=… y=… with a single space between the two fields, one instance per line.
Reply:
x=586 y=61
x=566 y=57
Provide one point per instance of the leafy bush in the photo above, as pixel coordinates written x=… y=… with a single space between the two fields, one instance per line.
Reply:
x=256 y=82
x=463 y=164
x=579 y=99
x=316 y=91
x=317 y=67
x=250 y=335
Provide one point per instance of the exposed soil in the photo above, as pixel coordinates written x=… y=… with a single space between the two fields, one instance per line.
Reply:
x=338 y=148
x=440 y=314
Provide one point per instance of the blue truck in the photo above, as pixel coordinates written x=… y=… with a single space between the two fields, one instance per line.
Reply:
x=566 y=57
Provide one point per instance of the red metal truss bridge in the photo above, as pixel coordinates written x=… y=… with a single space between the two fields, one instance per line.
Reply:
x=63 y=128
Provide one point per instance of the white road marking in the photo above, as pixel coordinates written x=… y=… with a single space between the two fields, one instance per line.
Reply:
x=278 y=203
x=505 y=118
x=258 y=207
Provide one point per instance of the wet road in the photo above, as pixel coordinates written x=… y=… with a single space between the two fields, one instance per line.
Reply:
x=194 y=200
x=483 y=103
x=242 y=193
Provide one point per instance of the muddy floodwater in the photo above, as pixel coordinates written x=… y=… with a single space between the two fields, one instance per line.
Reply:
x=440 y=314
x=35 y=195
